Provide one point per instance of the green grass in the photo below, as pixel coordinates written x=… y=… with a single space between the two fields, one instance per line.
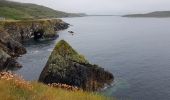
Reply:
x=11 y=90
x=14 y=10
x=23 y=11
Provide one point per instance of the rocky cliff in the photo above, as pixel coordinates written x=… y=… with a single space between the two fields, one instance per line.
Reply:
x=26 y=29
x=9 y=50
x=13 y=33
x=66 y=66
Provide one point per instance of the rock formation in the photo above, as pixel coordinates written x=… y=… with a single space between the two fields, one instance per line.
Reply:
x=66 y=66
x=24 y=30
x=13 y=33
x=9 y=49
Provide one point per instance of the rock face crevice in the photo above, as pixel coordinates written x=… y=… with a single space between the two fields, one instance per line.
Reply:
x=66 y=66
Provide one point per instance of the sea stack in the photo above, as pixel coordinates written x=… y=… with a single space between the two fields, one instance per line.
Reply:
x=66 y=66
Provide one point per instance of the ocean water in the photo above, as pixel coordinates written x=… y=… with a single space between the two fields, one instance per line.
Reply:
x=135 y=50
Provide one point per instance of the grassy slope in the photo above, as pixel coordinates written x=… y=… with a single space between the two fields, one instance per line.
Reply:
x=14 y=10
x=10 y=90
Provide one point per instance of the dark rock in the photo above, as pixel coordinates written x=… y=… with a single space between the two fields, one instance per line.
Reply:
x=61 y=26
x=70 y=31
x=9 y=50
x=66 y=66
x=3 y=59
x=9 y=45
x=7 y=62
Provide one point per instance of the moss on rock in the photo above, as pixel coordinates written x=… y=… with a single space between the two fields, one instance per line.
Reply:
x=66 y=66
x=65 y=50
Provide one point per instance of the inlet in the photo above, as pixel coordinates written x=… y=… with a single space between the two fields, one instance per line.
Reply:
x=38 y=34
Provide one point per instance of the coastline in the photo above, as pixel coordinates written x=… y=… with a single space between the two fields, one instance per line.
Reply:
x=15 y=32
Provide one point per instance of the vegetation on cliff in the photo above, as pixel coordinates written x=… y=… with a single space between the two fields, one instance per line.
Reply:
x=22 y=30
x=66 y=66
x=15 y=10
x=13 y=33
x=13 y=87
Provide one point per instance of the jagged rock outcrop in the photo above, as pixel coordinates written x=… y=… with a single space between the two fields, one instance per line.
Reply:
x=9 y=50
x=24 y=30
x=66 y=66
x=13 y=33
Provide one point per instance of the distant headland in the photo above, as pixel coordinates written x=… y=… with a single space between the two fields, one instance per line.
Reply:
x=156 y=14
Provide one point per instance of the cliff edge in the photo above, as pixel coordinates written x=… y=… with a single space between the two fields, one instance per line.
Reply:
x=14 y=32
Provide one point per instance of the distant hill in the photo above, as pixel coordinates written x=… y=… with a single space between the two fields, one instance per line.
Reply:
x=159 y=14
x=15 y=10
x=103 y=15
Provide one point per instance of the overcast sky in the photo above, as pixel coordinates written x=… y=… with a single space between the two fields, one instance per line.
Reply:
x=104 y=6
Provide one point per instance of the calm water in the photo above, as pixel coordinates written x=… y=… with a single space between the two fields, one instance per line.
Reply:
x=135 y=50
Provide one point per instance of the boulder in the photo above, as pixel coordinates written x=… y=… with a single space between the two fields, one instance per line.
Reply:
x=66 y=66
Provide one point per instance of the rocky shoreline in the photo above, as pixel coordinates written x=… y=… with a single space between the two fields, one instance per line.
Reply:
x=65 y=65
x=14 y=33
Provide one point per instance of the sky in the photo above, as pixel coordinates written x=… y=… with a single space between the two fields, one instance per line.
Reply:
x=104 y=6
